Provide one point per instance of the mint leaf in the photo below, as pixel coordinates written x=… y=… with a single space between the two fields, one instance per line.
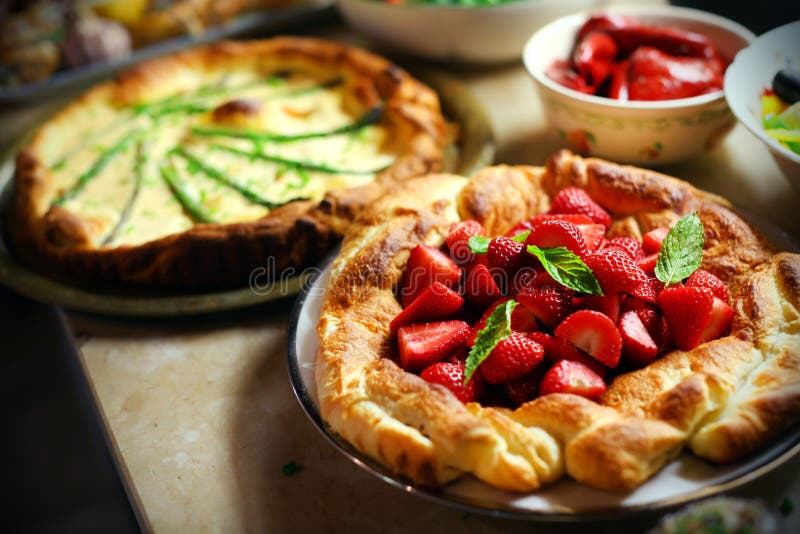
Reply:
x=479 y=244
x=567 y=269
x=498 y=327
x=681 y=251
x=521 y=237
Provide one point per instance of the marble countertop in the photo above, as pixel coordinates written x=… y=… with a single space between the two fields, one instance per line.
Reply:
x=204 y=422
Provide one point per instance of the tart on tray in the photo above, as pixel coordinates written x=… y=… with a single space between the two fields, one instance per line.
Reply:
x=585 y=319
x=201 y=166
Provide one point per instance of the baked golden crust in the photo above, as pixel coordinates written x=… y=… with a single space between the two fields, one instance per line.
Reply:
x=723 y=400
x=296 y=234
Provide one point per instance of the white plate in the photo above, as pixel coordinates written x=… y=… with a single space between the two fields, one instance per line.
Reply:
x=683 y=480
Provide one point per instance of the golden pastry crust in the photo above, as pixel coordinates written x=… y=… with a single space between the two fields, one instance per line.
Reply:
x=723 y=400
x=296 y=235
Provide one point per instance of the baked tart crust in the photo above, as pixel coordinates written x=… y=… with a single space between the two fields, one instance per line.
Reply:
x=350 y=125
x=722 y=400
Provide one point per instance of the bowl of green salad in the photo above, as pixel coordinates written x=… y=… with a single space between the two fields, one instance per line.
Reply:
x=762 y=87
x=467 y=31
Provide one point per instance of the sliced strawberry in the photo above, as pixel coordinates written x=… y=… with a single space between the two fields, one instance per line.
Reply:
x=451 y=376
x=459 y=355
x=549 y=303
x=506 y=254
x=556 y=233
x=426 y=265
x=556 y=349
x=687 y=311
x=648 y=263
x=420 y=345
x=638 y=347
x=721 y=316
x=593 y=235
x=615 y=271
x=576 y=200
x=607 y=304
x=574 y=218
x=480 y=288
x=651 y=241
x=594 y=333
x=458 y=240
x=436 y=303
x=523 y=277
x=518 y=228
x=652 y=320
x=513 y=357
x=648 y=291
x=702 y=278
x=630 y=245
x=526 y=388
x=572 y=377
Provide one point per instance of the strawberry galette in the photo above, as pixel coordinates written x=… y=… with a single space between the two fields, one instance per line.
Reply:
x=586 y=318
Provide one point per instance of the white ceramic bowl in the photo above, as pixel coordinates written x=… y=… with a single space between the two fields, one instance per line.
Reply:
x=488 y=34
x=751 y=72
x=637 y=132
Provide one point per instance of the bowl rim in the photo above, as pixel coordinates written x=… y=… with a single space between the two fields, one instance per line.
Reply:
x=508 y=5
x=689 y=14
x=742 y=115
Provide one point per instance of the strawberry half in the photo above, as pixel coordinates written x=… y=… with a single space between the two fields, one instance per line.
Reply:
x=427 y=265
x=556 y=349
x=556 y=233
x=594 y=333
x=572 y=377
x=630 y=245
x=615 y=271
x=436 y=303
x=549 y=302
x=421 y=345
x=593 y=235
x=648 y=263
x=694 y=315
x=702 y=278
x=577 y=201
x=506 y=254
x=458 y=240
x=574 y=218
x=638 y=347
x=511 y=358
x=480 y=288
x=451 y=376
x=651 y=241
x=607 y=304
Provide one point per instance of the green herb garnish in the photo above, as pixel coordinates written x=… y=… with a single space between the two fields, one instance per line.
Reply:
x=498 y=327
x=681 y=251
x=291 y=468
x=567 y=269
x=479 y=244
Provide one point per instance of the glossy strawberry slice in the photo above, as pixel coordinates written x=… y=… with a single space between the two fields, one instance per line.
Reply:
x=523 y=277
x=426 y=265
x=615 y=271
x=648 y=263
x=594 y=333
x=576 y=200
x=593 y=235
x=651 y=241
x=506 y=254
x=421 y=345
x=451 y=376
x=630 y=245
x=702 y=278
x=556 y=233
x=549 y=303
x=638 y=347
x=556 y=349
x=572 y=377
x=648 y=291
x=526 y=388
x=480 y=287
x=694 y=315
x=436 y=303
x=652 y=320
x=458 y=240
x=607 y=304
x=513 y=357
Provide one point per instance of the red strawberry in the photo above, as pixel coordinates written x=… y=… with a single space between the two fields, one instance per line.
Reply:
x=513 y=357
x=526 y=388
x=694 y=315
x=593 y=333
x=506 y=254
x=427 y=265
x=701 y=278
x=638 y=346
x=607 y=304
x=436 y=303
x=451 y=376
x=480 y=288
x=615 y=271
x=549 y=303
x=574 y=218
x=575 y=200
x=593 y=235
x=648 y=263
x=458 y=356
x=572 y=377
x=522 y=320
x=630 y=245
x=458 y=239
x=651 y=241
x=518 y=228
x=556 y=349
x=523 y=277
x=648 y=291
x=555 y=233
x=420 y=345
x=652 y=320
